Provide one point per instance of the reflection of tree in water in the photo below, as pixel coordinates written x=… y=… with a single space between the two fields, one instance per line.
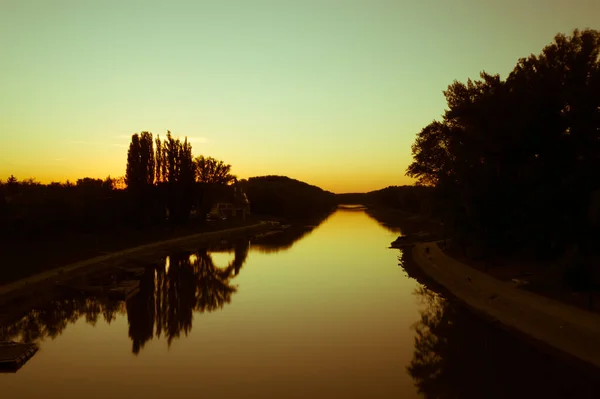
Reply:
x=240 y=254
x=284 y=240
x=281 y=241
x=164 y=306
x=459 y=356
x=52 y=319
x=185 y=284
x=239 y=248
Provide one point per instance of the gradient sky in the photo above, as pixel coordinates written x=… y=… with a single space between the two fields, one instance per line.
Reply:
x=331 y=92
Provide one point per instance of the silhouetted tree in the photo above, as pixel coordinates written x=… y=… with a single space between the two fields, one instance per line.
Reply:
x=12 y=183
x=516 y=162
x=177 y=173
x=29 y=209
x=140 y=161
x=160 y=168
x=213 y=171
x=140 y=176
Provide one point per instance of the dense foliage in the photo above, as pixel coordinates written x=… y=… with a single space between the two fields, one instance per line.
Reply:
x=160 y=178
x=280 y=196
x=30 y=209
x=162 y=184
x=213 y=171
x=517 y=161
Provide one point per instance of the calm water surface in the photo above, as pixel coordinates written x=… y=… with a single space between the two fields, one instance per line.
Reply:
x=323 y=311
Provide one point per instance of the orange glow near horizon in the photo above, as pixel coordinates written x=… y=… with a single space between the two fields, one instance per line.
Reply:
x=327 y=94
x=340 y=179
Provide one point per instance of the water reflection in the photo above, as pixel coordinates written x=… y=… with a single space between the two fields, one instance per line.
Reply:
x=284 y=240
x=240 y=252
x=281 y=241
x=457 y=355
x=170 y=294
x=50 y=321
x=399 y=222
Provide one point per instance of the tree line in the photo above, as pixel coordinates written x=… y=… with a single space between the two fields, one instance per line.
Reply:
x=286 y=198
x=416 y=199
x=515 y=162
x=163 y=184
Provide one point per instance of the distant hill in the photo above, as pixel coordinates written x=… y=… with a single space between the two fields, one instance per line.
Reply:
x=283 y=197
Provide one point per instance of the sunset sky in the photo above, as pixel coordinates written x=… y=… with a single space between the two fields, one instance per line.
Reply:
x=331 y=92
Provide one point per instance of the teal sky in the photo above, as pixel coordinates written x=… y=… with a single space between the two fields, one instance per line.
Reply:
x=325 y=91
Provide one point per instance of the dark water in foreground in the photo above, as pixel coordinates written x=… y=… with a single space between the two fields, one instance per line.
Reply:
x=318 y=312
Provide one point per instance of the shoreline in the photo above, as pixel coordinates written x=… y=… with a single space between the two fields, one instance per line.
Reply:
x=36 y=284
x=568 y=333
x=37 y=255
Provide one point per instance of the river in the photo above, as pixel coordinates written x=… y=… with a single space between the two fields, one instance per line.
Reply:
x=321 y=311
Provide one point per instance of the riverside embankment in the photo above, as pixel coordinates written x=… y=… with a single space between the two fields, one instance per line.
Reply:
x=569 y=332
x=38 y=284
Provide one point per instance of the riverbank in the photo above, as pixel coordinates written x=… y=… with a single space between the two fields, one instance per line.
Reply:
x=35 y=285
x=568 y=332
x=542 y=278
x=22 y=258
